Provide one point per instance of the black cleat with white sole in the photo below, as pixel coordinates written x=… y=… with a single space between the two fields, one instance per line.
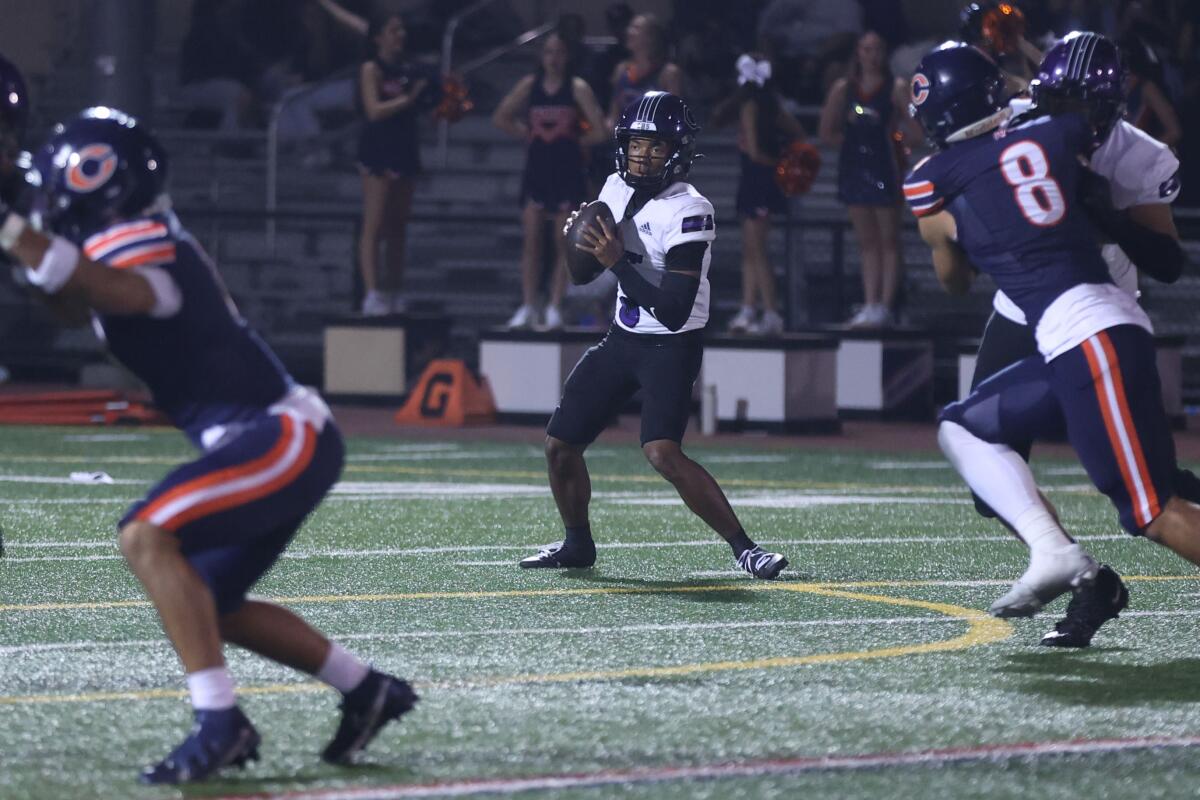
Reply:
x=380 y=699
x=560 y=556
x=1091 y=606
x=761 y=564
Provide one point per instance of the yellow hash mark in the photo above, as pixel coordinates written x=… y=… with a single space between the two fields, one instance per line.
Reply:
x=982 y=629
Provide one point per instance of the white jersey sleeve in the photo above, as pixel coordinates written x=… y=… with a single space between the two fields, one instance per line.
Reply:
x=1141 y=169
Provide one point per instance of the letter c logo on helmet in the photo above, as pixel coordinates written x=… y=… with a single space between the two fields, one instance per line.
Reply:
x=90 y=167
x=920 y=88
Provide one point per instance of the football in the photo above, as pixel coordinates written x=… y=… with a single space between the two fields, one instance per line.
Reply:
x=582 y=266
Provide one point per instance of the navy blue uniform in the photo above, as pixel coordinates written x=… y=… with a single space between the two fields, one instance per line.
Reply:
x=867 y=171
x=270 y=451
x=390 y=147
x=1012 y=197
x=555 y=177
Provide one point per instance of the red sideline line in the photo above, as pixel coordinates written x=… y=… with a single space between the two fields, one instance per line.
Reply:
x=789 y=766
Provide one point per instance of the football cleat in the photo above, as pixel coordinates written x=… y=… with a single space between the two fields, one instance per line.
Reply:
x=559 y=556
x=218 y=739
x=761 y=564
x=375 y=702
x=1090 y=607
x=1050 y=575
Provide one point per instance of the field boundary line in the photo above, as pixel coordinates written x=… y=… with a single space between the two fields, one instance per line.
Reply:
x=997 y=753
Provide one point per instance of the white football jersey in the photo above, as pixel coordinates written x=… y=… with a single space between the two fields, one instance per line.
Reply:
x=1141 y=171
x=677 y=215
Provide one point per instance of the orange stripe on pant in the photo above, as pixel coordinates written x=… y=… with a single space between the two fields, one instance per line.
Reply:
x=224 y=475
x=1134 y=442
x=245 y=496
x=1110 y=423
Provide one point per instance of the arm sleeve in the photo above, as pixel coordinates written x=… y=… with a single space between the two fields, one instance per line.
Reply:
x=670 y=300
x=1158 y=255
x=922 y=192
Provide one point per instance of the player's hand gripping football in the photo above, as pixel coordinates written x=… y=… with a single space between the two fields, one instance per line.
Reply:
x=571 y=218
x=603 y=242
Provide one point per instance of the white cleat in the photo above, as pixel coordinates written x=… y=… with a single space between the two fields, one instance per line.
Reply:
x=1049 y=576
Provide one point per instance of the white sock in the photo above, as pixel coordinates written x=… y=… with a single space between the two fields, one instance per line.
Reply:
x=342 y=670
x=1004 y=481
x=211 y=689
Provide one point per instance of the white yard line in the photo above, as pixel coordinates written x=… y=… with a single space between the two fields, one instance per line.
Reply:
x=403 y=552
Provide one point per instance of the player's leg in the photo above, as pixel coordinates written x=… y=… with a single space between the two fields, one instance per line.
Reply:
x=666 y=372
x=1111 y=390
x=1013 y=404
x=397 y=210
x=595 y=390
x=370 y=698
x=375 y=190
x=862 y=218
x=891 y=268
x=532 y=221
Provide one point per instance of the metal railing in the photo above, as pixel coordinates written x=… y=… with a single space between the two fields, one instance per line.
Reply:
x=533 y=34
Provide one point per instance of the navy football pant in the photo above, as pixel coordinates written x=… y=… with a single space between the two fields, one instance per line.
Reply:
x=1107 y=395
x=236 y=507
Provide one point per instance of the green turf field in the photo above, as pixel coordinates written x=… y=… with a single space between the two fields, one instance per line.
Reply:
x=662 y=673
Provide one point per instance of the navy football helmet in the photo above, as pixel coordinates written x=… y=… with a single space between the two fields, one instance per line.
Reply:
x=1082 y=69
x=957 y=93
x=657 y=115
x=100 y=167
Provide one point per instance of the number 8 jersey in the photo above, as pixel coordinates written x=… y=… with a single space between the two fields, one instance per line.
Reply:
x=1012 y=196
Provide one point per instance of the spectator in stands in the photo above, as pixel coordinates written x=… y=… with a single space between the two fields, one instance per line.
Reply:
x=217 y=66
x=764 y=130
x=998 y=29
x=647 y=67
x=300 y=106
x=551 y=109
x=864 y=116
x=1146 y=103
x=805 y=37
x=390 y=87
x=617 y=17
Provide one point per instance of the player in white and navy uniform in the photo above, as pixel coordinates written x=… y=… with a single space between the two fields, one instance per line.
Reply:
x=660 y=256
x=268 y=449
x=1004 y=201
x=1082 y=72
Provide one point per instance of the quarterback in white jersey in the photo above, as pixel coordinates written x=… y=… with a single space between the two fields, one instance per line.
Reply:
x=678 y=215
x=659 y=252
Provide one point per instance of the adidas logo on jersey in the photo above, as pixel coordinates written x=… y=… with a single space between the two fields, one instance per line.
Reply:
x=644 y=228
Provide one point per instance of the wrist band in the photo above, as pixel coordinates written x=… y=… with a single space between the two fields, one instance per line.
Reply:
x=14 y=225
x=57 y=267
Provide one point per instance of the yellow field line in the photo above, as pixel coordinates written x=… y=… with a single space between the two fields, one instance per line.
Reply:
x=982 y=629
x=793 y=586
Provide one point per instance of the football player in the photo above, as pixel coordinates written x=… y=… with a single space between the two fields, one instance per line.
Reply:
x=1082 y=72
x=660 y=253
x=1002 y=199
x=268 y=449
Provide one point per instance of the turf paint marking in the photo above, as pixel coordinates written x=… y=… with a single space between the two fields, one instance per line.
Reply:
x=405 y=552
x=995 y=753
x=981 y=629
x=52 y=647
